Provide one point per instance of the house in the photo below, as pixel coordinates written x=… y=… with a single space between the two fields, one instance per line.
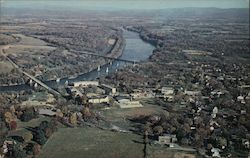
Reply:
x=215 y=152
x=5 y=147
x=169 y=98
x=125 y=102
x=167 y=139
x=109 y=90
x=243 y=112
x=167 y=90
x=140 y=94
x=168 y=93
x=241 y=99
x=85 y=83
x=99 y=99
x=246 y=143
x=192 y=93
x=218 y=93
x=215 y=111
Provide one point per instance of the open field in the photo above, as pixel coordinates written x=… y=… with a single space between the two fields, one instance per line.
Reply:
x=120 y=117
x=92 y=143
x=29 y=40
x=28 y=45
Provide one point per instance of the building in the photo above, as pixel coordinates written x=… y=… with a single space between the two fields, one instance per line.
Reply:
x=192 y=93
x=167 y=90
x=109 y=90
x=99 y=99
x=128 y=103
x=74 y=92
x=141 y=94
x=215 y=152
x=241 y=99
x=85 y=83
x=167 y=139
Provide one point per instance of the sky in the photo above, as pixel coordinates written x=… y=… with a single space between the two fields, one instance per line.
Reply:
x=123 y=4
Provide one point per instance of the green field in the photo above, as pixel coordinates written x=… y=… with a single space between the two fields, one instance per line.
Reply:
x=92 y=143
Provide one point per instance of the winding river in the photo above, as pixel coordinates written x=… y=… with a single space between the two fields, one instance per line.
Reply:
x=136 y=49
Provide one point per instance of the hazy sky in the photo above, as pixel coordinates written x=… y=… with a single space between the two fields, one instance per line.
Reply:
x=125 y=4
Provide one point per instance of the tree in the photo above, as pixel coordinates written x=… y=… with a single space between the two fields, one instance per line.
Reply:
x=53 y=125
x=48 y=132
x=17 y=151
x=43 y=125
x=27 y=137
x=73 y=119
x=222 y=142
x=198 y=141
x=13 y=125
x=8 y=117
x=180 y=134
x=36 y=149
x=28 y=114
x=84 y=99
x=86 y=113
x=64 y=109
x=59 y=114
x=158 y=130
x=39 y=136
x=12 y=109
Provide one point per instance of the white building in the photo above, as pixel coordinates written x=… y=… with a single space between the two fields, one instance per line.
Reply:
x=216 y=152
x=167 y=139
x=85 y=83
x=241 y=99
x=98 y=100
x=126 y=103
x=192 y=93
x=167 y=90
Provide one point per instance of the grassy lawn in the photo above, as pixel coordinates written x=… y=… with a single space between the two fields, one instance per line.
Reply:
x=92 y=143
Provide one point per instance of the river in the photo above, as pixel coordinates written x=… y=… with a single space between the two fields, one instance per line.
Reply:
x=136 y=49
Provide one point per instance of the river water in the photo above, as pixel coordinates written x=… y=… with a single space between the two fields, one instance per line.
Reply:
x=136 y=50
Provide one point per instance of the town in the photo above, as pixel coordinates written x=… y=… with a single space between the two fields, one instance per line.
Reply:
x=189 y=98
